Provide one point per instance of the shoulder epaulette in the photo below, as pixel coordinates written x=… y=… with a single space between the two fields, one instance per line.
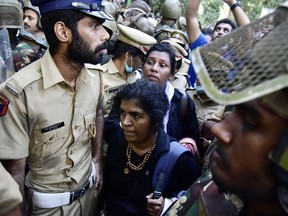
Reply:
x=98 y=67
x=21 y=79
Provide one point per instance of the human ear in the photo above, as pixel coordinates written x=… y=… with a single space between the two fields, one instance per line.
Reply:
x=128 y=56
x=62 y=32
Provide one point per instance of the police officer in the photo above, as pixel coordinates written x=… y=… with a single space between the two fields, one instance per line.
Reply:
x=180 y=80
x=128 y=54
x=137 y=16
x=32 y=22
x=51 y=113
x=25 y=48
x=10 y=194
x=170 y=11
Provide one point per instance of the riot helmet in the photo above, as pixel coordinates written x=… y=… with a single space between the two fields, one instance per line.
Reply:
x=11 y=14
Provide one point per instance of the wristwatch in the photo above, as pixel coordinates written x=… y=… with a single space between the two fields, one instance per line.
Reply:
x=237 y=4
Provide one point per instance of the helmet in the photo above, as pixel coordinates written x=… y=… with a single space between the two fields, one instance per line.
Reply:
x=182 y=23
x=137 y=7
x=171 y=9
x=109 y=8
x=11 y=15
x=142 y=23
x=163 y=32
x=249 y=63
x=180 y=35
x=28 y=5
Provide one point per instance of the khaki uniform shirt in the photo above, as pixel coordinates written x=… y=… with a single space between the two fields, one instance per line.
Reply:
x=10 y=196
x=180 y=80
x=50 y=122
x=205 y=107
x=112 y=81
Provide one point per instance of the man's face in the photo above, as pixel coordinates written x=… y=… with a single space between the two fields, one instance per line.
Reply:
x=221 y=30
x=240 y=162
x=87 y=44
x=30 y=21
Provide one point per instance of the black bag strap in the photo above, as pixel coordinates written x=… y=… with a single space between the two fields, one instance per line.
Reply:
x=167 y=162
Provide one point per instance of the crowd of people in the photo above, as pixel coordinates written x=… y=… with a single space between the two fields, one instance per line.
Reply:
x=111 y=109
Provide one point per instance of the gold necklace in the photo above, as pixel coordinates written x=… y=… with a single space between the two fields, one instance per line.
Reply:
x=130 y=164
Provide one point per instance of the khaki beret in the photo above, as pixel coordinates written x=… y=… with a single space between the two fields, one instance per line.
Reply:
x=135 y=38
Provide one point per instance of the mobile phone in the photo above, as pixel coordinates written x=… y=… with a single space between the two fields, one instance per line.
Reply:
x=156 y=195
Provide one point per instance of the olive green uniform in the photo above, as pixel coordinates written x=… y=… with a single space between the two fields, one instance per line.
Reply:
x=204 y=198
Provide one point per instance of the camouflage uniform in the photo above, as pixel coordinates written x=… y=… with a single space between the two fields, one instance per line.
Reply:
x=204 y=198
x=26 y=50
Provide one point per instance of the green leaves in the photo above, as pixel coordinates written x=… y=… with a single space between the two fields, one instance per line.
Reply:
x=212 y=8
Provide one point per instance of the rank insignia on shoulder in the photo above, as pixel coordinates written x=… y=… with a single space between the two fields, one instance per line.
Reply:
x=11 y=90
x=4 y=102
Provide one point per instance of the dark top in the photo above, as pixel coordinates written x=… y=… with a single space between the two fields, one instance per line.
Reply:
x=125 y=194
x=179 y=127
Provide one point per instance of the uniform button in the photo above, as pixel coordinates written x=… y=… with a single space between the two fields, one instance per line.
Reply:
x=68 y=170
x=71 y=152
x=51 y=139
x=75 y=127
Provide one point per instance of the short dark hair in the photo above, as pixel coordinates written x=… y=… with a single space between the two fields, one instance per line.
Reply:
x=164 y=47
x=207 y=31
x=150 y=97
x=227 y=21
x=48 y=20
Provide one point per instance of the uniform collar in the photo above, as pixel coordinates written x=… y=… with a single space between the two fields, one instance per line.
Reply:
x=52 y=76
x=112 y=69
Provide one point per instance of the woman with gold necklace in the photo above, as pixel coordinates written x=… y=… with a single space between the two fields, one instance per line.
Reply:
x=136 y=139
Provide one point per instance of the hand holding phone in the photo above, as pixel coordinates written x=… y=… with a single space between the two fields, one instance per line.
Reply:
x=156 y=195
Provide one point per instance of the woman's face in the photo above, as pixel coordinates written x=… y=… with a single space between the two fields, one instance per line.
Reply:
x=157 y=67
x=136 y=123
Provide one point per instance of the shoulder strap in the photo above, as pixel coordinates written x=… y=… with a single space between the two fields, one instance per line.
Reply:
x=101 y=85
x=20 y=80
x=98 y=74
x=184 y=103
x=166 y=164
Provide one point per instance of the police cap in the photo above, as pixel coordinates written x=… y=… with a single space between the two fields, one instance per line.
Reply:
x=135 y=38
x=179 y=50
x=90 y=7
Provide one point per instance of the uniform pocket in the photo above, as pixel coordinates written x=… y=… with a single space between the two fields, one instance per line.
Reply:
x=89 y=124
x=49 y=142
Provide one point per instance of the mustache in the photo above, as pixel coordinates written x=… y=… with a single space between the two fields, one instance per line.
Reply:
x=106 y=45
x=221 y=151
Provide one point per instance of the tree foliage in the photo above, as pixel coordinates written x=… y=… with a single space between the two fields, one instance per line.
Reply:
x=212 y=8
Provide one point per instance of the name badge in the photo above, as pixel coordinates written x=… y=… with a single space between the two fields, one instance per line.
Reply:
x=52 y=127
